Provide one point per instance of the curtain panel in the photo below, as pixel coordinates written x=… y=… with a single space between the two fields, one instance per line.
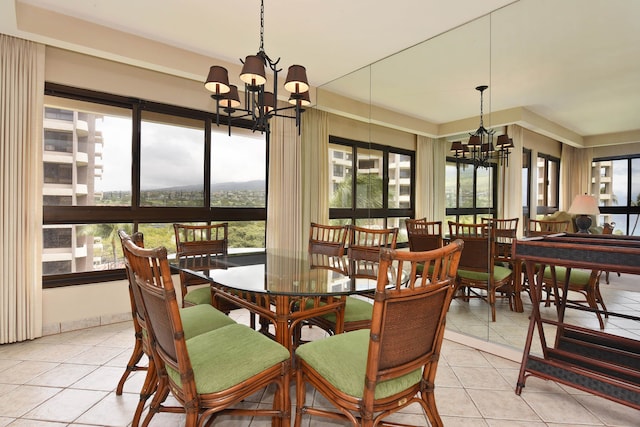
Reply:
x=431 y=157
x=21 y=129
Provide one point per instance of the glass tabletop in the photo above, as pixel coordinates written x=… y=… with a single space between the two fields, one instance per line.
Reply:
x=285 y=273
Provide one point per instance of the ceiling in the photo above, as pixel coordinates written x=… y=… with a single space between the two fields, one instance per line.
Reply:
x=573 y=64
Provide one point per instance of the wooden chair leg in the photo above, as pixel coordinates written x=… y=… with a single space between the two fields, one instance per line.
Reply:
x=132 y=364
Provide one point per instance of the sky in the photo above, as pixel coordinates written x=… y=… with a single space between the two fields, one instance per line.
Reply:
x=171 y=156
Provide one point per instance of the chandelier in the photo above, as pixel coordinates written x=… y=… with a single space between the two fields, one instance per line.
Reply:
x=480 y=148
x=259 y=105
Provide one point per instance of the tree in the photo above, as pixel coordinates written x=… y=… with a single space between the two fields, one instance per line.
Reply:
x=368 y=192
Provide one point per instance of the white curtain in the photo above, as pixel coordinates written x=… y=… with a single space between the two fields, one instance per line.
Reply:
x=21 y=105
x=284 y=204
x=431 y=157
x=510 y=176
x=315 y=171
x=575 y=174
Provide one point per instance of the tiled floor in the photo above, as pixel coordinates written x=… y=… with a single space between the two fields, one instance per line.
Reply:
x=69 y=380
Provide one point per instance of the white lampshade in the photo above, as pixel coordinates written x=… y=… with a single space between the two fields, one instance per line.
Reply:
x=584 y=204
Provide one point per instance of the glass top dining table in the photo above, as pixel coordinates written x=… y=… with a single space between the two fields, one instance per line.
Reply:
x=284 y=288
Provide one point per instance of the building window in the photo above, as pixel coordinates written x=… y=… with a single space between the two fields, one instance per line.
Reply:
x=140 y=166
x=548 y=181
x=381 y=194
x=470 y=192
x=616 y=183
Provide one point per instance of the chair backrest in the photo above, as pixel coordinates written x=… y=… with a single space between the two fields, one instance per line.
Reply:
x=134 y=292
x=423 y=235
x=193 y=240
x=364 y=248
x=396 y=346
x=479 y=245
x=365 y=243
x=504 y=227
x=504 y=230
x=200 y=248
x=152 y=276
x=327 y=239
x=539 y=227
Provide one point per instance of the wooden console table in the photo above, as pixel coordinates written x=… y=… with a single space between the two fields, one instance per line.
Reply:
x=598 y=362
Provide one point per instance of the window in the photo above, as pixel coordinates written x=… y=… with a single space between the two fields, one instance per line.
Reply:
x=616 y=182
x=113 y=163
x=548 y=181
x=381 y=194
x=470 y=192
x=526 y=182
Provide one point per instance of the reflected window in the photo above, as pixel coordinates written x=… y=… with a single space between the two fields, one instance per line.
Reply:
x=470 y=192
x=548 y=181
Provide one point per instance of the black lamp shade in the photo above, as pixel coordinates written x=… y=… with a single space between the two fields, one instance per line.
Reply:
x=296 y=81
x=217 y=80
x=253 y=71
x=231 y=98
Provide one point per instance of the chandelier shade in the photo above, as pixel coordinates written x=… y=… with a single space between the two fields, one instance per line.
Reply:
x=260 y=104
x=296 y=81
x=253 y=71
x=232 y=98
x=217 y=80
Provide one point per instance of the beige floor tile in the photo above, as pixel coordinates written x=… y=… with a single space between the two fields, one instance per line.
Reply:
x=63 y=375
x=559 y=408
x=481 y=377
x=24 y=372
x=35 y=423
x=609 y=412
x=455 y=402
x=66 y=406
x=103 y=378
x=499 y=404
x=112 y=410
x=24 y=398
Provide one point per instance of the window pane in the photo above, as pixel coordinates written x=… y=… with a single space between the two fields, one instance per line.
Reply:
x=399 y=181
x=81 y=247
x=451 y=186
x=238 y=169
x=552 y=177
x=246 y=236
x=465 y=188
x=87 y=154
x=340 y=173
x=171 y=161
x=402 y=229
x=635 y=182
x=484 y=193
x=369 y=178
x=161 y=234
x=375 y=223
x=619 y=180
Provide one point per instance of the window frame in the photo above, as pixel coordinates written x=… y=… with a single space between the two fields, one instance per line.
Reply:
x=477 y=212
x=135 y=214
x=354 y=213
x=548 y=208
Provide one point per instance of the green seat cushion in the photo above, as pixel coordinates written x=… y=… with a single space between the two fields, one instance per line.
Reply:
x=342 y=360
x=355 y=310
x=228 y=356
x=199 y=319
x=199 y=296
x=578 y=277
x=499 y=273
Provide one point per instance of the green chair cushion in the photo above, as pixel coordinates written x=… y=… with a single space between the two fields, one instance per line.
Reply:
x=342 y=359
x=578 y=277
x=228 y=356
x=499 y=273
x=355 y=310
x=199 y=319
x=199 y=296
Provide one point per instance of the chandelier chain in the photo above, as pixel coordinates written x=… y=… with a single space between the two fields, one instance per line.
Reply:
x=261 y=26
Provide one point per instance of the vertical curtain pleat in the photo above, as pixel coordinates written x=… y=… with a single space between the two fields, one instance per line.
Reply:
x=315 y=171
x=431 y=156
x=21 y=104
x=284 y=204
x=575 y=173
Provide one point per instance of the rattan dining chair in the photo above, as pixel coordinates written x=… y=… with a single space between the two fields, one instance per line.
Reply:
x=203 y=248
x=478 y=274
x=363 y=255
x=539 y=227
x=195 y=320
x=423 y=235
x=211 y=373
x=369 y=374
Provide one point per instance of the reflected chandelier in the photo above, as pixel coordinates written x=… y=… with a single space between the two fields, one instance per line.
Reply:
x=260 y=105
x=480 y=148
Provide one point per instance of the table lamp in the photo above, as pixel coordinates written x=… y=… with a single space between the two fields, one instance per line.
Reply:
x=584 y=206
